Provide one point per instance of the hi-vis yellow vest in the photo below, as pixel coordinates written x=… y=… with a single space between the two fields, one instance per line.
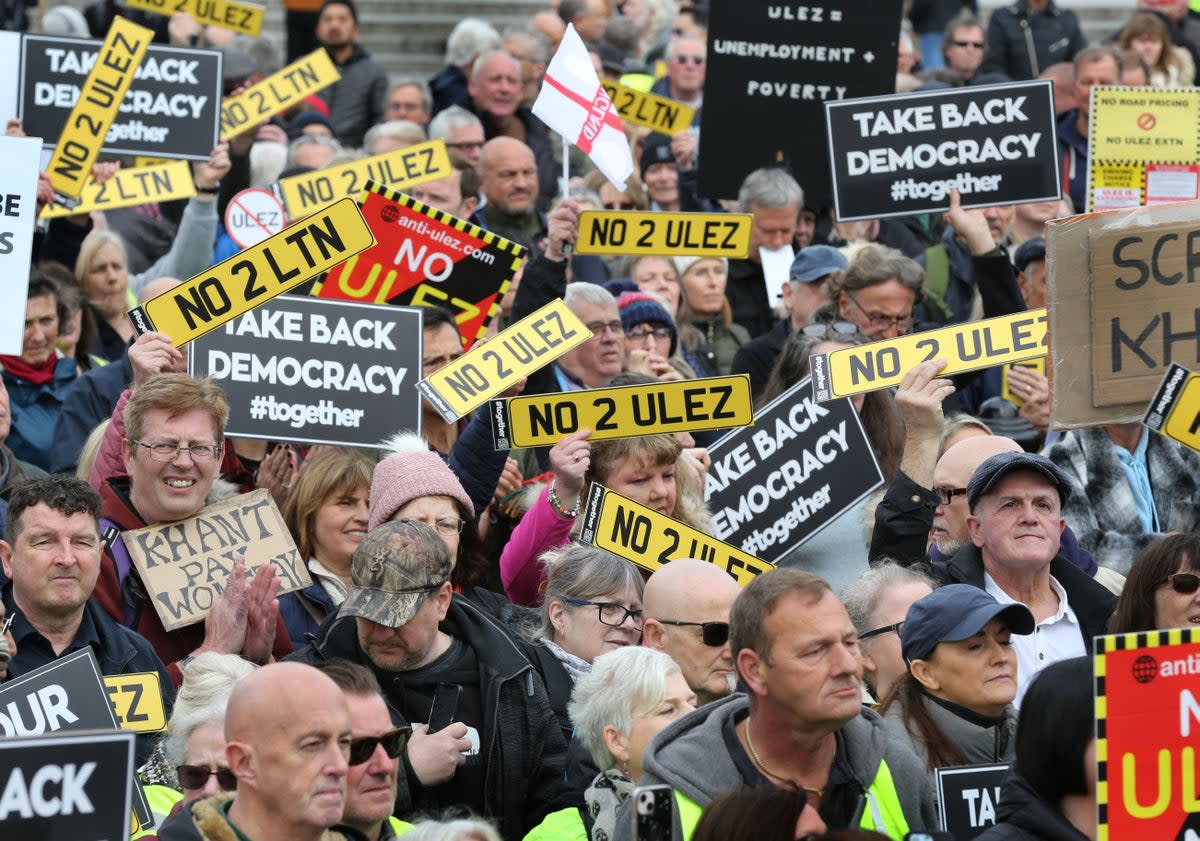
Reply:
x=883 y=813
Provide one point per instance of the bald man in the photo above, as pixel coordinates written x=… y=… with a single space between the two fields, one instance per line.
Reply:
x=508 y=182
x=686 y=607
x=922 y=517
x=287 y=732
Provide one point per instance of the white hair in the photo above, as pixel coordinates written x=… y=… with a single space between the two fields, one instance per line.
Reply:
x=581 y=292
x=447 y=121
x=208 y=682
x=469 y=38
x=621 y=684
x=464 y=829
x=267 y=160
x=406 y=131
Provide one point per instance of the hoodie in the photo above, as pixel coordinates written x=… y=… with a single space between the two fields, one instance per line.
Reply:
x=692 y=757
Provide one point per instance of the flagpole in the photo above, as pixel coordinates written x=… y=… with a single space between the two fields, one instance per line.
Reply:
x=566 y=173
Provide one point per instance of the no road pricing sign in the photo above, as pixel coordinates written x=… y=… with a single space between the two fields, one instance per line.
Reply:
x=965 y=347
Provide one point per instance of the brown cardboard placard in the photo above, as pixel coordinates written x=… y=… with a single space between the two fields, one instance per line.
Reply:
x=185 y=565
x=1109 y=294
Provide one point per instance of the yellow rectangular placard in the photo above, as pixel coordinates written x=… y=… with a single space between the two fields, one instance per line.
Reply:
x=103 y=91
x=129 y=187
x=256 y=274
x=965 y=347
x=657 y=113
x=1037 y=365
x=279 y=91
x=399 y=169
x=1175 y=409
x=644 y=537
x=664 y=233
x=137 y=701
x=1144 y=124
x=492 y=367
x=536 y=420
x=244 y=18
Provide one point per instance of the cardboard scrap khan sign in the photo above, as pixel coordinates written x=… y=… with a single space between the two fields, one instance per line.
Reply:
x=425 y=257
x=1125 y=303
x=900 y=155
x=185 y=565
x=1147 y=730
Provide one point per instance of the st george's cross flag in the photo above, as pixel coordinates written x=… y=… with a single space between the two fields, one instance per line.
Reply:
x=572 y=103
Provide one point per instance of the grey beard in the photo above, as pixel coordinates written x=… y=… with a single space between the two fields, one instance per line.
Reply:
x=949 y=546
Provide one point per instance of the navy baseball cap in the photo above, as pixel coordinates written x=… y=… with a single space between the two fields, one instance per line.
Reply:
x=815 y=261
x=1028 y=251
x=956 y=612
x=998 y=466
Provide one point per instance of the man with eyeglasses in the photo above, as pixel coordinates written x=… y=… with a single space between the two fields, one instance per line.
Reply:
x=462 y=132
x=409 y=99
x=686 y=606
x=51 y=560
x=288 y=737
x=375 y=749
x=804 y=292
x=503 y=755
x=170 y=429
x=878 y=292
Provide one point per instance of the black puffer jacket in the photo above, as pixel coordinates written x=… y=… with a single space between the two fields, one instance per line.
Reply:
x=1024 y=816
x=526 y=754
x=1022 y=43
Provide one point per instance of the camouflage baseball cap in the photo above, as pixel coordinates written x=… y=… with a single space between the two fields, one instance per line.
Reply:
x=395 y=567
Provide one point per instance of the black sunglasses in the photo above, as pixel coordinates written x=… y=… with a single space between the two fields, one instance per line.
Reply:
x=195 y=777
x=886 y=629
x=1184 y=583
x=393 y=741
x=714 y=634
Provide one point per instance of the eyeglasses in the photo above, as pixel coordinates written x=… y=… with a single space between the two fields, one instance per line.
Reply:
x=976 y=44
x=886 y=629
x=196 y=776
x=200 y=453
x=449 y=526
x=614 y=327
x=882 y=322
x=639 y=333
x=684 y=59
x=1184 y=583
x=465 y=145
x=614 y=615
x=714 y=634
x=832 y=328
x=946 y=495
x=393 y=741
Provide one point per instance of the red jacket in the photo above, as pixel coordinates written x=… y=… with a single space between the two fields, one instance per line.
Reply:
x=171 y=646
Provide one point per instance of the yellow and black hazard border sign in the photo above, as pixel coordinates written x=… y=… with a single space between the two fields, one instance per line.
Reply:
x=664 y=233
x=1147 y=718
x=137 y=700
x=639 y=108
x=129 y=187
x=965 y=347
x=488 y=369
x=102 y=93
x=537 y=420
x=234 y=15
x=400 y=168
x=256 y=275
x=425 y=257
x=1175 y=409
x=279 y=91
x=644 y=537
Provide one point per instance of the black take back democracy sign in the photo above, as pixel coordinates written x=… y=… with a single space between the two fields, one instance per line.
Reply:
x=312 y=370
x=967 y=798
x=172 y=109
x=899 y=155
x=74 y=787
x=776 y=484
x=771 y=67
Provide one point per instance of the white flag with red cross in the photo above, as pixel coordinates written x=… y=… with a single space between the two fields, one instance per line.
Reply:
x=572 y=103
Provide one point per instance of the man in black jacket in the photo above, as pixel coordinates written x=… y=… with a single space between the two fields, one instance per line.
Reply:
x=1015 y=526
x=51 y=560
x=439 y=659
x=356 y=100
